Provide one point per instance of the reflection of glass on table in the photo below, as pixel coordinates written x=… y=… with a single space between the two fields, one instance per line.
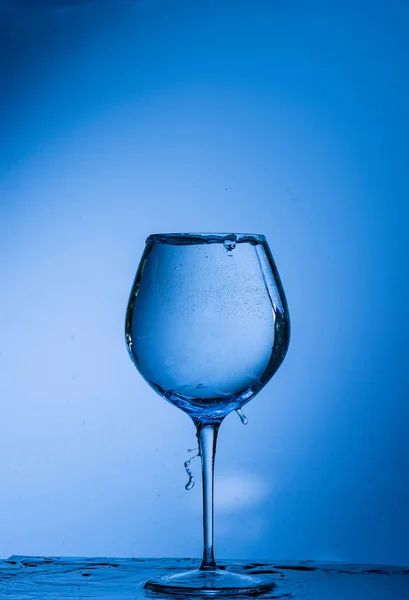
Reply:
x=34 y=578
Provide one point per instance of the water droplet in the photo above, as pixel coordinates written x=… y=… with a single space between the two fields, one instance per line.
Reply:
x=243 y=418
x=191 y=481
x=229 y=246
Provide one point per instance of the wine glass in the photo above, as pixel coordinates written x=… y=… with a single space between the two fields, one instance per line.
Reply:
x=207 y=326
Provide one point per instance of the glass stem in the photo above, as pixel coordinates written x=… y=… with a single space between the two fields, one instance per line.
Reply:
x=207 y=436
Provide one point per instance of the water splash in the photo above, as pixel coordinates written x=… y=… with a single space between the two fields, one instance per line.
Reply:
x=243 y=417
x=229 y=246
x=191 y=482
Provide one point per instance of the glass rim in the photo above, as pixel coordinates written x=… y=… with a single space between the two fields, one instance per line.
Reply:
x=182 y=239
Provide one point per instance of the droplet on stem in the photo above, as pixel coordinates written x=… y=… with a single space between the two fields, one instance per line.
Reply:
x=243 y=418
x=191 y=482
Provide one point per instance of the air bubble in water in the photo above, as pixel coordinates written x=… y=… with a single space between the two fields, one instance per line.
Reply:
x=243 y=418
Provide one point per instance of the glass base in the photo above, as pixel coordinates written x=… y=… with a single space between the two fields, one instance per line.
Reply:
x=215 y=582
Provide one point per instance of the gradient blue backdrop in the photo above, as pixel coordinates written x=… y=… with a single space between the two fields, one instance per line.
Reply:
x=124 y=118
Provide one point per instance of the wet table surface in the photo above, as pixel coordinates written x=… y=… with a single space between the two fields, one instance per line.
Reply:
x=25 y=577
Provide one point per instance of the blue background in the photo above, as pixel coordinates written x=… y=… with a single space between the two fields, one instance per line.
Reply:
x=120 y=119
